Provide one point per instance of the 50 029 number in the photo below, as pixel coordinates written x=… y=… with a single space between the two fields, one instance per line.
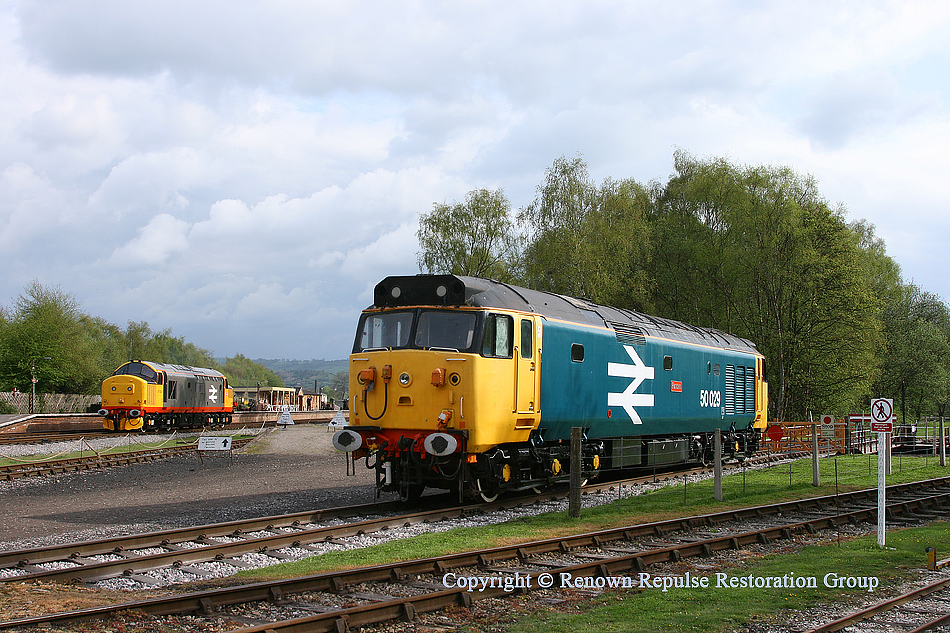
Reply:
x=709 y=398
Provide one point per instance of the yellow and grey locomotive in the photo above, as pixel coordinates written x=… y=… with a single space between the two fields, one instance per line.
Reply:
x=147 y=395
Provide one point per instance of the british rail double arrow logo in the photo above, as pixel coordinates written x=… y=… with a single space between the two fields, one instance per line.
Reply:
x=628 y=399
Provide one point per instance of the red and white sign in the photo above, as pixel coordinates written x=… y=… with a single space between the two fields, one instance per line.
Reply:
x=882 y=415
x=827 y=426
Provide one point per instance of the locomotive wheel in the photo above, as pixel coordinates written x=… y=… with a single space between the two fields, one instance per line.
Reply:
x=486 y=492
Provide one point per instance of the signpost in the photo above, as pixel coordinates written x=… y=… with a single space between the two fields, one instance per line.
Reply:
x=215 y=443
x=882 y=415
x=882 y=422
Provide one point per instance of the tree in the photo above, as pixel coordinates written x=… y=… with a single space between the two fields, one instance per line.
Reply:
x=475 y=237
x=588 y=241
x=340 y=385
x=757 y=252
x=916 y=364
x=243 y=372
x=43 y=337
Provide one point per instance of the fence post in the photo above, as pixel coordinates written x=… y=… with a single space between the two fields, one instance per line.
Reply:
x=815 y=474
x=717 y=461
x=943 y=445
x=574 y=495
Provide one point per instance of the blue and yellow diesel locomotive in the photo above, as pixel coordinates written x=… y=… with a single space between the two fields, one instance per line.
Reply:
x=472 y=385
x=144 y=395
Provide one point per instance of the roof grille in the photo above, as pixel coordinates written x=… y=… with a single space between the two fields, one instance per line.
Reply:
x=628 y=335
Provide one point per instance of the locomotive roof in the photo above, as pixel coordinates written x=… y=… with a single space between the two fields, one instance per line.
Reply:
x=457 y=290
x=178 y=369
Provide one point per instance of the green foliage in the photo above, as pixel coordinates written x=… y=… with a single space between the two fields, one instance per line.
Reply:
x=588 y=241
x=243 y=372
x=757 y=252
x=44 y=337
x=917 y=325
x=162 y=347
x=48 y=336
x=475 y=237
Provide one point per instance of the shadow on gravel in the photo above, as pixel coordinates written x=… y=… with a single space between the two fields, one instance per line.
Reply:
x=182 y=491
x=188 y=512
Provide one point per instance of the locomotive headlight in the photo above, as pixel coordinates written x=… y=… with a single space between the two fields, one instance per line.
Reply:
x=441 y=291
x=396 y=292
x=440 y=444
x=405 y=379
x=454 y=379
x=347 y=441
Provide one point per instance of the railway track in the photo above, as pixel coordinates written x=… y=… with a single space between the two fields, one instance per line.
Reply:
x=52 y=437
x=924 y=609
x=308 y=532
x=47 y=437
x=131 y=556
x=338 y=601
x=99 y=460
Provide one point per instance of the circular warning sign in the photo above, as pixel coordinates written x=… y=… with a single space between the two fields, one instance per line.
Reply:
x=775 y=432
x=882 y=415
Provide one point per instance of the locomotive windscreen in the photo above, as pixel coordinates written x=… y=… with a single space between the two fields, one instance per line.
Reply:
x=137 y=369
x=422 y=329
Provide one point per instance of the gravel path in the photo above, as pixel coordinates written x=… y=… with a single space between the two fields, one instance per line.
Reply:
x=286 y=470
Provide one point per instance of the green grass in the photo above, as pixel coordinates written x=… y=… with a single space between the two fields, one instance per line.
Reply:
x=717 y=609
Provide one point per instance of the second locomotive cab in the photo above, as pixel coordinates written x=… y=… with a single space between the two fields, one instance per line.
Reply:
x=144 y=395
x=450 y=388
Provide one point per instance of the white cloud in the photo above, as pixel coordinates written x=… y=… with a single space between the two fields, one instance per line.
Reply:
x=161 y=239
x=260 y=166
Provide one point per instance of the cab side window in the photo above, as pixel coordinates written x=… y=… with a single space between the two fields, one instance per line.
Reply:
x=497 y=340
x=527 y=338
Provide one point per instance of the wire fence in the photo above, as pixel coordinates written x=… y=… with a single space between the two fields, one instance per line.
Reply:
x=764 y=484
x=50 y=402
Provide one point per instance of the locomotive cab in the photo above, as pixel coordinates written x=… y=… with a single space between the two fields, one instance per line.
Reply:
x=446 y=393
x=125 y=395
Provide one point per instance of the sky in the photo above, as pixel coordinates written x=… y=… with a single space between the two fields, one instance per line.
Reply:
x=243 y=173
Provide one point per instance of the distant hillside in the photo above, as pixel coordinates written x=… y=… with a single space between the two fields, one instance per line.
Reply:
x=305 y=373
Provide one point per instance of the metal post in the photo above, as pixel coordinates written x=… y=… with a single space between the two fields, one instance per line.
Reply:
x=815 y=474
x=717 y=463
x=33 y=387
x=574 y=496
x=887 y=452
x=943 y=445
x=881 y=486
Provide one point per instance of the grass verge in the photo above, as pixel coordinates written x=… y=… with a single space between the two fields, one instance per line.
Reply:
x=720 y=607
